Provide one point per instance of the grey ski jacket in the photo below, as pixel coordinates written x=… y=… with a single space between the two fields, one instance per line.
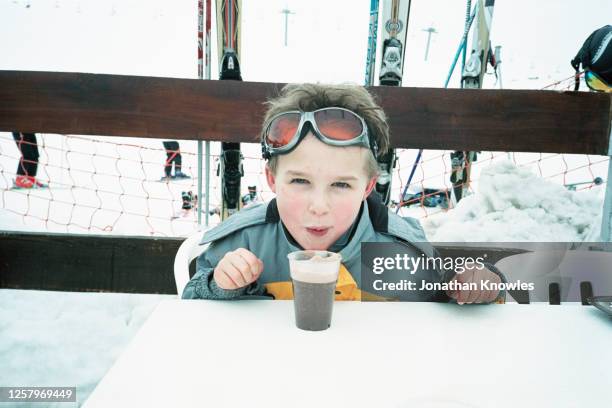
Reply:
x=259 y=229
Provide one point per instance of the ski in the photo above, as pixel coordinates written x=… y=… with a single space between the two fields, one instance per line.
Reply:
x=35 y=184
x=230 y=164
x=395 y=15
x=165 y=179
x=14 y=187
x=45 y=187
x=395 y=22
x=472 y=77
x=372 y=37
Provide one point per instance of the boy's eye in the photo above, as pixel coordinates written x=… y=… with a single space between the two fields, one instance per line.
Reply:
x=341 y=184
x=299 y=181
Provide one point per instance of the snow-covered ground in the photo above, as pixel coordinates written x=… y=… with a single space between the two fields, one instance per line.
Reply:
x=65 y=339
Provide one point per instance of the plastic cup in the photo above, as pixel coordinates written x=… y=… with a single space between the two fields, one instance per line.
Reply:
x=314 y=275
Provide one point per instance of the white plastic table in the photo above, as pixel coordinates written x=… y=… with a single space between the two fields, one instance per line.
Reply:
x=195 y=353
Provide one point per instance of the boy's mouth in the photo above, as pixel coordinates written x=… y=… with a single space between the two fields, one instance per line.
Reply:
x=317 y=231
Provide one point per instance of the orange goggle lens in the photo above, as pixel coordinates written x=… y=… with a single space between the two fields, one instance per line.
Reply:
x=282 y=129
x=338 y=124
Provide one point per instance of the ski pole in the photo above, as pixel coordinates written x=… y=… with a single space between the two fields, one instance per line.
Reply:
x=596 y=181
x=371 y=53
x=207 y=76
x=467 y=28
x=200 y=76
x=461 y=45
x=414 y=166
x=454 y=64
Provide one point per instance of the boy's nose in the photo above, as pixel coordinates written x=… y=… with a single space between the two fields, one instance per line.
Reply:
x=318 y=204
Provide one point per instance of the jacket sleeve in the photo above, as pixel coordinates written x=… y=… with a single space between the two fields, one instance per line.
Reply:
x=203 y=286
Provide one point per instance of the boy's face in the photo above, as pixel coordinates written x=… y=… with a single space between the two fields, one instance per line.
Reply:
x=319 y=189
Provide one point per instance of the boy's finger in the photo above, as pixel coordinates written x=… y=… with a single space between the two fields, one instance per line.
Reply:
x=231 y=271
x=452 y=293
x=481 y=296
x=260 y=266
x=241 y=270
x=491 y=296
x=473 y=295
x=223 y=280
x=255 y=264
x=463 y=277
x=248 y=256
x=463 y=296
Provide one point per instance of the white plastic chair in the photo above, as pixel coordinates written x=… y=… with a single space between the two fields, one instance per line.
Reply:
x=187 y=252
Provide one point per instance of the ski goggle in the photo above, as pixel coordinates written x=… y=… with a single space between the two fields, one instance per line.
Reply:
x=596 y=83
x=334 y=126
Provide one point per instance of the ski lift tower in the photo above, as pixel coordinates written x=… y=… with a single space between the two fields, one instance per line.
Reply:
x=286 y=12
x=429 y=32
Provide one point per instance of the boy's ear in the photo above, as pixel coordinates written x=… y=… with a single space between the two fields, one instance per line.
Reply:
x=370 y=187
x=271 y=179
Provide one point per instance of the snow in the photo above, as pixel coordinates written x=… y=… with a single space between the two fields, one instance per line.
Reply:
x=515 y=205
x=66 y=338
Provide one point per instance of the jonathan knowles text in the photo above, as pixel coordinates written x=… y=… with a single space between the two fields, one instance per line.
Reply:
x=408 y=285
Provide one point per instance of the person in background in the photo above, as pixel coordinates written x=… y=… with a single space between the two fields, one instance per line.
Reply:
x=173 y=153
x=251 y=197
x=595 y=56
x=28 y=163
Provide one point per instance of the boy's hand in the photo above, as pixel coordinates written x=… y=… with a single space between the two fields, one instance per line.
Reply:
x=480 y=295
x=237 y=269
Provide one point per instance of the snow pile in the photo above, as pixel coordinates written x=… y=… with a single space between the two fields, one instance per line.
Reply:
x=66 y=338
x=513 y=205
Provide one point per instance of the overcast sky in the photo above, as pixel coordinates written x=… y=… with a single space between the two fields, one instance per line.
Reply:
x=327 y=39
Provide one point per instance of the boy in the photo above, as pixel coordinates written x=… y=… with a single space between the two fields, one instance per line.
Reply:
x=321 y=144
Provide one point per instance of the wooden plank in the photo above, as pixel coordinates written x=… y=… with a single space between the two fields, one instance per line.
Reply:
x=430 y=118
x=87 y=263
x=103 y=263
x=499 y=120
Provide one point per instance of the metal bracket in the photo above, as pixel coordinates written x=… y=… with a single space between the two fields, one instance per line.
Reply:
x=606 y=216
x=610 y=142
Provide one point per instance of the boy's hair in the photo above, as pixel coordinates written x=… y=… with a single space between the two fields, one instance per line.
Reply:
x=310 y=97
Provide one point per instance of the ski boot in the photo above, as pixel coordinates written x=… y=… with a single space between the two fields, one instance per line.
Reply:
x=391 y=70
x=28 y=182
x=470 y=77
x=231 y=171
x=230 y=68
x=386 y=164
x=187 y=197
